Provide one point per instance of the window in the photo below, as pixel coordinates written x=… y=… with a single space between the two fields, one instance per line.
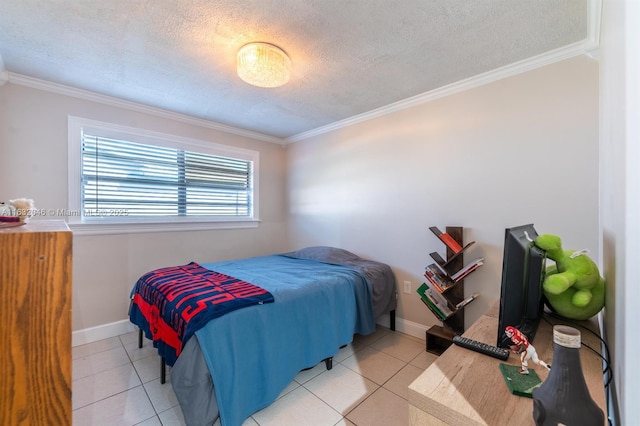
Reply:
x=140 y=180
x=123 y=176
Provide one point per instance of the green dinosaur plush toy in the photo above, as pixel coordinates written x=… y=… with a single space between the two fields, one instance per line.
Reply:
x=573 y=286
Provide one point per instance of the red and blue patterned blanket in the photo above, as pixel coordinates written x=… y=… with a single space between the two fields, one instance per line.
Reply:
x=171 y=304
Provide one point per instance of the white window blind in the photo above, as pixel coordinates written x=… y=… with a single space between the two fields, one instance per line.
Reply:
x=121 y=178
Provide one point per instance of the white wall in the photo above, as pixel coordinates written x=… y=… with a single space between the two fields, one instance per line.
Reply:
x=33 y=164
x=620 y=199
x=520 y=150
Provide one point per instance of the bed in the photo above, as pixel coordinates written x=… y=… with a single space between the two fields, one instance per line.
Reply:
x=240 y=361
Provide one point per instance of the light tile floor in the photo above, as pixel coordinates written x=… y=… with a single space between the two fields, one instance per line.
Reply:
x=116 y=383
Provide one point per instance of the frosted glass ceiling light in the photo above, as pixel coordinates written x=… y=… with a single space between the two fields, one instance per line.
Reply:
x=263 y=65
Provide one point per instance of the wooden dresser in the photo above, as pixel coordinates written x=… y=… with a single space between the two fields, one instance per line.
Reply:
x=35 y=324
x=463 y=387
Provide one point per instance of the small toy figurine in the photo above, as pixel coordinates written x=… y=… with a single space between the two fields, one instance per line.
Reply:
x=526 y=350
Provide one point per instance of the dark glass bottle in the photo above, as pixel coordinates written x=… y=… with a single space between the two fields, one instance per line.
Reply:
x=564 y=397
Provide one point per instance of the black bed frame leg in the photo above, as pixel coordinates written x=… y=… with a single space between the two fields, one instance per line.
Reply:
x=328 y=362
x=163 y=362
x=392 y=320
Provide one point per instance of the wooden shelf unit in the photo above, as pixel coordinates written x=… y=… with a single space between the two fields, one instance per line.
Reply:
x=439 y=338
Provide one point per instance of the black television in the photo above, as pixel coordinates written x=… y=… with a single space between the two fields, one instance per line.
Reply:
x=521 y=296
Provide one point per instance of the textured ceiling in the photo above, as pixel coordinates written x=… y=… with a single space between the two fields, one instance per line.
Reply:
x=348 y=57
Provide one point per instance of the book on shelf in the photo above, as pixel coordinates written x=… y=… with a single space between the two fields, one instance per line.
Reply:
x=451 y=244
x=443 y=281
x=466 y=301
x=447 y=239
x=435 y=300
x=422 y=291
x=438 y=279
x=433 y=308
x=467 y=269
x=440 y=301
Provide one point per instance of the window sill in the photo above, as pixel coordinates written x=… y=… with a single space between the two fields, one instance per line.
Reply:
x=141 y=227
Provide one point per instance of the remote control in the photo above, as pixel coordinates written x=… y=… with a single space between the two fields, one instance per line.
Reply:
x=483 y=348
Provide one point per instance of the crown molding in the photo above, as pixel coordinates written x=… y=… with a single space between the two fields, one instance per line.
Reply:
x=453 y=88
x=589 y=46
x=594 y=18
x=61 y=89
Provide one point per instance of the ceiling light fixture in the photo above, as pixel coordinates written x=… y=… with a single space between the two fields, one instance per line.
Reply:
x=263 y=65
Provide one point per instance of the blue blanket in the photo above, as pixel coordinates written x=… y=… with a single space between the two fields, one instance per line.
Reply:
x=253 y=354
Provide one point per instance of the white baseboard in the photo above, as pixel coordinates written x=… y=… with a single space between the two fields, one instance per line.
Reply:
x=412 y=328
x=405 y=326
x=104 y=331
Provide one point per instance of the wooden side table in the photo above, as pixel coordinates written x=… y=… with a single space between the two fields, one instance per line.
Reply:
x=463 y=387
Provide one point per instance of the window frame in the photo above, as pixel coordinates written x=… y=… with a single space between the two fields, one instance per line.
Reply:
x=113 y=225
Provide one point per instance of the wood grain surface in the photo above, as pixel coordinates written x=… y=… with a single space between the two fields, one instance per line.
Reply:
x=35 y=324
x=463 y=387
